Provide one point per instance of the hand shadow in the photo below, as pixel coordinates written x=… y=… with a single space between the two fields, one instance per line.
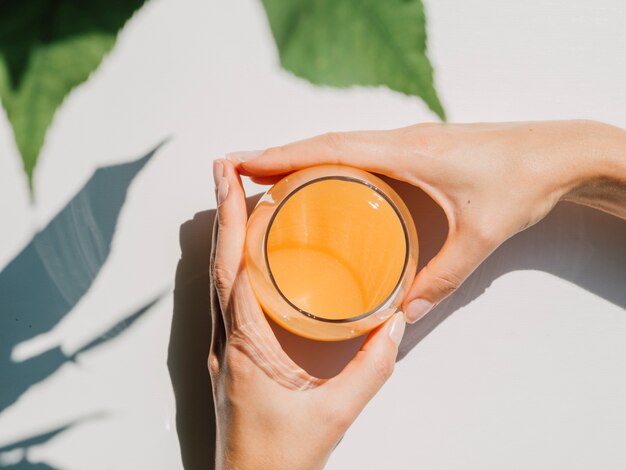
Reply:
x=190 y=339
x=576 y=243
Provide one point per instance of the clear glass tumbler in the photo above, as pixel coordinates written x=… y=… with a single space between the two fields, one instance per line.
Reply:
x=330 y=250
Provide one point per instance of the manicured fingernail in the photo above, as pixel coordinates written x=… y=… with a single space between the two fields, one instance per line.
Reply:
x=396 y=329
x=218 y=170
x=222 y=190
x=385 y=313
x=416 y=309
x=244 y=156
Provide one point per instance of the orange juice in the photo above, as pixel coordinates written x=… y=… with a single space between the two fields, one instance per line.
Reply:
x=336 y=249
x=330 y=252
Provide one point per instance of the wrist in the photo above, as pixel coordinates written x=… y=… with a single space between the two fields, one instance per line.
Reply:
x=600 y=168
x=256 y=448
x=261 y=460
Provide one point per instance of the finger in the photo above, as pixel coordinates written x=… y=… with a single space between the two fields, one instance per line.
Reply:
x=366 y=373
x=457 y=259
x=266 y=179
x=376 y=151
x=218 y=331
x=231 y=232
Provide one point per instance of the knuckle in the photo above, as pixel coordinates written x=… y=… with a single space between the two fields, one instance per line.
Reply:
x=383 y=367
x=489 y=238
x=339 y=417
x=335 y=140
x=222 y=277
x=285 y=154
x=425 y=139
x=483 y=236
x=237 y=363
x=213 y=364
x=211 y=262
x=446 y=282
x=279 y=152
x=486 y=236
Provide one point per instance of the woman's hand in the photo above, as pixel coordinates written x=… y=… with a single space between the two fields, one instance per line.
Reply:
x=270 y=413
x=492 y=181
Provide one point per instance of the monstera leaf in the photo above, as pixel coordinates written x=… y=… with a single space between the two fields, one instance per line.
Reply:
x=356 y=42
x=48 y=47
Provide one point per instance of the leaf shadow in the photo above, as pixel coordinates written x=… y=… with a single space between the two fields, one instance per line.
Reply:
x=22 y=446
x=44 y=282
x=27 y=465
x=42 y=438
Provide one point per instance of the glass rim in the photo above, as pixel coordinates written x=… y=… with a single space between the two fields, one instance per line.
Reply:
x=378 y=307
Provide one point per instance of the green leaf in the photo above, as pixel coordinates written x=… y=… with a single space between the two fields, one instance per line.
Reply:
x=356 y=42
x=48 y=47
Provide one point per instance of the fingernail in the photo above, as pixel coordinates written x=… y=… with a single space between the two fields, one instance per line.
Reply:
x=396 y=330
x=222 y=190
x=244 y=156
x=218 y=170
x=416 y=309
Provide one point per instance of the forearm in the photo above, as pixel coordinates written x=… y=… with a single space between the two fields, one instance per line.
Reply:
x=267 y=458
x=247 y=446
x=602 y=184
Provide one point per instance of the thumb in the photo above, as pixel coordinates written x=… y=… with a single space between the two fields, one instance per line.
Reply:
x=231 y=230
x=370 y=368
x=456 y=260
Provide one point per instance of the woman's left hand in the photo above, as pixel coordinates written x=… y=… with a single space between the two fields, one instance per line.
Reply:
x=270 y=413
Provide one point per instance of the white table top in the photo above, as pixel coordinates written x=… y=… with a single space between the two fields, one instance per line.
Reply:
x=524 y=367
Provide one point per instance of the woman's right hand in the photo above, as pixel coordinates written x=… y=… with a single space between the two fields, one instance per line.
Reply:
x=492 y=180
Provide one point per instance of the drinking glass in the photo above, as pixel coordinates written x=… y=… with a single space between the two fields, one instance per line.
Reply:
x=330 y=251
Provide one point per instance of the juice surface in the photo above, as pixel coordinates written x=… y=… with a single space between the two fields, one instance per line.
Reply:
x=336 y=249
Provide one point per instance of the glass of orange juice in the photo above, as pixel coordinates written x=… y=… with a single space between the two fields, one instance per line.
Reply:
x=330 y=251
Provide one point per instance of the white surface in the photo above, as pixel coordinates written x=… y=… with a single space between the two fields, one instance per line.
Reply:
x=532 y=374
